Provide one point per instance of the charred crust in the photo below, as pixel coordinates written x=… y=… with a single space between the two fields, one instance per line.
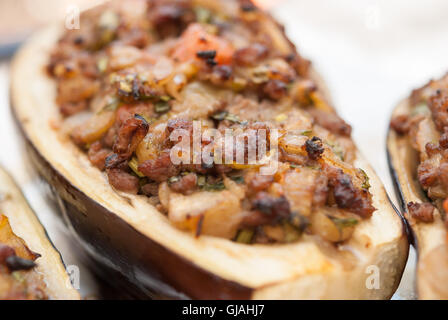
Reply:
x=15 y=263
x=273 y=207
x=247 y=6
x=314 y=147
x=207 y=54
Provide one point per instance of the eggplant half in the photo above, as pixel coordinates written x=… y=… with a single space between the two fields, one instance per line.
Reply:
x=127 y=234
x=35 y=270
x=429 y=232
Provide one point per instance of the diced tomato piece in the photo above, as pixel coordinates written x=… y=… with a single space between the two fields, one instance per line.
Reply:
x=196 y=39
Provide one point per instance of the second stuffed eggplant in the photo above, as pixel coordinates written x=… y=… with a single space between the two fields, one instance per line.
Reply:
x=418 y=158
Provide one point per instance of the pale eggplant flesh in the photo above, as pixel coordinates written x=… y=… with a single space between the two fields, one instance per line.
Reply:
x=25 y=225
x=429 y=239
x=126 y=234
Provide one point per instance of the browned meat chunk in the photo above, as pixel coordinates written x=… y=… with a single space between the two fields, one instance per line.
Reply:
x=346 y=195
x=71 y=108
x=186 y=184
x=171 y=17
x=150 y=189
x=119 y=175
x=130 y=134
x=251 y=55
x=159 y=169
x=331 y=122
x=400 y=124
x=122 y=180
x=275 y=89
x=427 y=174
x=258 y=182
x=423 y=212
x=320 y=191
x=97 y=155
x=438 y=104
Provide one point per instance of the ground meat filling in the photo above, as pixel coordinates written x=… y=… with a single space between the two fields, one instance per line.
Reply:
x=143 y=74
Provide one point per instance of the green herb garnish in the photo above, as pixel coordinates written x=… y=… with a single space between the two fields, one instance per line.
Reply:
x=420 y=109
x=298 y=221
x=108 y=24
x=162 y=107
x=238 y=179
x=232 y=118
x=203 y=15
x=239 y=84
x=366 y=182
x=220 y=116
x=337 y=149
x=165 y=98
x=342 y=223
x=291 y=232
x=18 y=276
x=133 y=164
x=125 y=86
x=201 y=181
x=245 y=236
x=173 y=180
x=218 y=186
x=307 y=133
x=111 y=105
x=225 y=115
x=102 y=64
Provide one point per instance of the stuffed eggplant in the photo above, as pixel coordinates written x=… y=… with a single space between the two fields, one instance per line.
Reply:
x=30 y=267
x=267 y=174
x=417 y=153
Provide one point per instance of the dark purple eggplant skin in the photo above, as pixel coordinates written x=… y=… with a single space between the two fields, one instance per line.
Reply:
x=151 y=269
x=400 y=196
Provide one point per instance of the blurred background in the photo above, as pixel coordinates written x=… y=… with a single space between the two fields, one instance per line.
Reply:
x=370 y=52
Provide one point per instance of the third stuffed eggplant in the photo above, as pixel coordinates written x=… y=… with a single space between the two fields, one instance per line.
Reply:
x=30 y=267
